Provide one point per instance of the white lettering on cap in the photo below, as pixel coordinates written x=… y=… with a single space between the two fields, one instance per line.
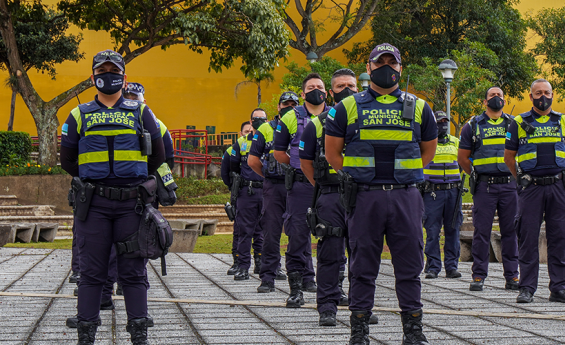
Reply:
x=389 y=48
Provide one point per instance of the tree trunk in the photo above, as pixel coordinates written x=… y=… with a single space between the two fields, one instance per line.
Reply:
x=12 y=111
x=47 y=125
x=258 y=95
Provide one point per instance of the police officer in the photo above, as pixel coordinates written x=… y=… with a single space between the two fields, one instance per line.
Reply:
x=262 y=161
x=103 y=144
x=389 y=136
x=299 y=190
x=493 y=187
x=441 y=203
x=327 y=216
x=536 y=141
x=249 y=201
x=245 y=129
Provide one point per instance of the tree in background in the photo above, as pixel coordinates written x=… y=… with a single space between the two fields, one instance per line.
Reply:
x=352 y=15
x=549 y=25
x=256 y=79
x=468 y=87
x=250 y=30
x=431 y=29
x=42 y=41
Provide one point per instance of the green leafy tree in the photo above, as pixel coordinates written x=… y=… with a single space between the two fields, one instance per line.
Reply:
x=256 y=79
x=351 y=16
x=467 y=89
x=434 y=28
x=42 y=40
x=252 y=31
x=549 y=25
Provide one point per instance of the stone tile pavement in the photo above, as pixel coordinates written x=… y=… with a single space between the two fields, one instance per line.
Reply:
x=41 y=320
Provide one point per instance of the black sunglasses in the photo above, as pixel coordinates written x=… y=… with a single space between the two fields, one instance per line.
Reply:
x=110 y=57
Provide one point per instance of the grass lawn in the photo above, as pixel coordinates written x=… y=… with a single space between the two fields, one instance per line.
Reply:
x=57 y=244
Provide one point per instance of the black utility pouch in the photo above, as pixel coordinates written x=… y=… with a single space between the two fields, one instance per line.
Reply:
x=473 y=182
x=289 y=178
x=83 y=200
x=146 y=146
x=312 y=219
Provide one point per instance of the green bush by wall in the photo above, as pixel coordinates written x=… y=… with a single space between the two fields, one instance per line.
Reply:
x=15 y=147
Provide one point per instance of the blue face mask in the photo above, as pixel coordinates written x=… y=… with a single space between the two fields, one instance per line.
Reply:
x=109 y=83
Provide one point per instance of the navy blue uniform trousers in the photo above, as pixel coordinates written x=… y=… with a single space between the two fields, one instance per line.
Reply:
x=330 y=253
x=489 y=198
x=439 y=212
x=396 y=214
x=274 y=205
x=247 y=217
x=299 y=250
x=534 y=201
x=109 y=221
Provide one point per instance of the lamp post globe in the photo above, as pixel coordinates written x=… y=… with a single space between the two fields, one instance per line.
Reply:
x=364 y=78
x=447 y=68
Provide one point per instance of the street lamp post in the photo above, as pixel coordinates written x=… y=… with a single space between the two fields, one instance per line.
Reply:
x=364 y=79
x=312 y=57
x=447 y=69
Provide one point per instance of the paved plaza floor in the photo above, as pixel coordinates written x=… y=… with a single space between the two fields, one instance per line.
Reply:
x=41 y=320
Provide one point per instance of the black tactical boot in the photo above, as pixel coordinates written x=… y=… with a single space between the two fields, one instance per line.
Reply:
x=74 y=278
x=359 y=327
x=138 y=330
x=310 y=286
x=327 y=318
x=257 y=259
x=235 y=267
x=374 y=319
x=343 y=299
x=412 y=326
x=241 y=274
x=75 y=291
x=86 y=332
x=72 y=322
x=266 y=287
x=107 y=305
x=280 y=275
x=150 y=322
x=296 y=298
x=119 y=290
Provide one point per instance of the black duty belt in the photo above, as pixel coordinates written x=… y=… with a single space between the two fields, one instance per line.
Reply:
x=329 y=189
x=300 y=178
x=254 y=184
x=275 y=181
x=384 y=186
x=114 y=193
x=547 y=180
x=496 y=179
x=445 y=186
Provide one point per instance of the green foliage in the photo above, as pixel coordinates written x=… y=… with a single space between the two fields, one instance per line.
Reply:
x=215 y=199
x=434 y=28
x=191 y=187
x=250 y=30
x=56 y=244
x=467 y=89
x=549 y=25
x=29 y=168
x=40 y=36
x=15 y=147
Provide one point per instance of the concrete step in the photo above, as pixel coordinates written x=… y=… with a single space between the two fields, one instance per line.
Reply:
x=193 y=209
x=8 y=200
x=27 y=210
x=224 y=228
x=467 y=205
x=221 y=217
x=61 y=219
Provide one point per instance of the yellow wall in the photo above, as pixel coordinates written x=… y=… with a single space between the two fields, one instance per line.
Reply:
x=179 y=88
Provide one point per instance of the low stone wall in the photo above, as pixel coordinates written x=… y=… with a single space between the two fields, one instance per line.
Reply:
x=39 y=190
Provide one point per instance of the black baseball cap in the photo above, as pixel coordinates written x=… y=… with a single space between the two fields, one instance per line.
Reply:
x=440 y=115
x=385 y=48
x=135 y=88
x=108 y=56
x=288 y=96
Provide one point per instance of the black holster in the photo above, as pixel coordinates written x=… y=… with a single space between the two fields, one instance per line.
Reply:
x=83 y=193
x=473 y=180
x=289 y=177
x=230 y=211
x=347 y=190
x=235 y=187
x=319 y=227
x=524 y=180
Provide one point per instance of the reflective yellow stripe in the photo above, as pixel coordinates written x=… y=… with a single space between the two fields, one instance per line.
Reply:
x=383 y=134
x=560 y=154
x=441 y=172
x=122 y=155
x=332 y=171
x=542 y=140
x=495 y=141
x=526 y=156
x=415 y=163
x=363 y=162
x=165 y=171
x=111 y=133
x=447 y=158
x=93 y=157
x=490 y=160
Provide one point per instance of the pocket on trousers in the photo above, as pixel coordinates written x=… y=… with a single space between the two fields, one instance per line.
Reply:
x=517 y=225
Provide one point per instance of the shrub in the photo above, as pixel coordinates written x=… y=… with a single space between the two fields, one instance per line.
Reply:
x=30 y=168
x=15 y=148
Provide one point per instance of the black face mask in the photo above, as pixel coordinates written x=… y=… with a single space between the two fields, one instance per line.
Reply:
x=109 y=83
x=256 y=122
x=285 y=110
x=442 y=129
x=385 y=77
x=496 y=103
x=343 y=94
x=543 y=103
x=315 y=97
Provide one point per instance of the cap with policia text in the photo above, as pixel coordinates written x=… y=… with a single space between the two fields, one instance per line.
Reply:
x=108 y=56
x=440 y=115
x=385 y=48
x=288 y=96
x=135 y=88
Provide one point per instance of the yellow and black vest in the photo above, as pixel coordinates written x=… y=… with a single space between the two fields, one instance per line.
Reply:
x=444 y=167
x=489 y=137
x=124 y=124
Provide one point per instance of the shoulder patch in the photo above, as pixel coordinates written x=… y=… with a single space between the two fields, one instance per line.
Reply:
x=331 y=114
x=65 y=129
x=508 y=136
x=130 y=103
x=279 y=128
x=256 y=136
x=301 y=145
